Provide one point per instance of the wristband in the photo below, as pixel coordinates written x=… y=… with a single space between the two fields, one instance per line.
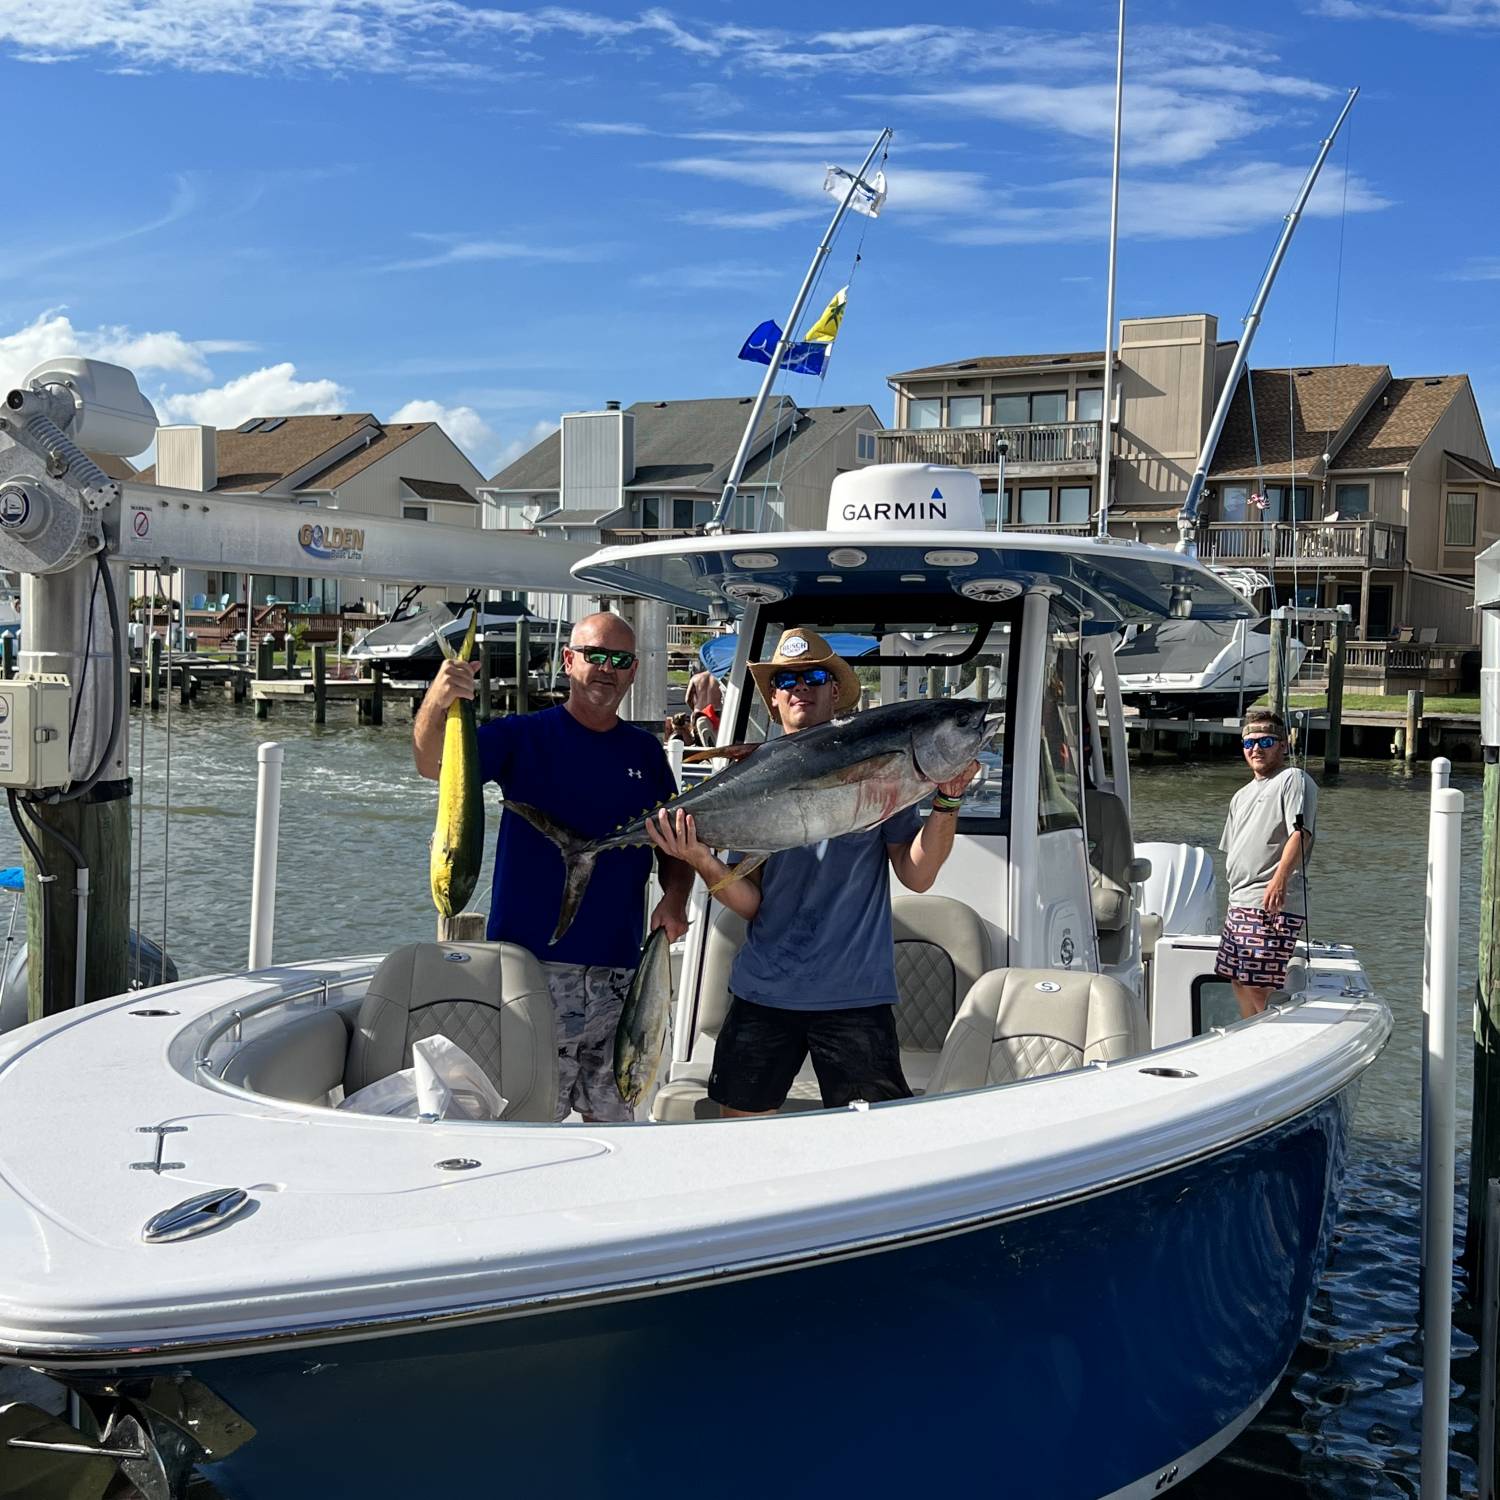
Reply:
x=941 y=803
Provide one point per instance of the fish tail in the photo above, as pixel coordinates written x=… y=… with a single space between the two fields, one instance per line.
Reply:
x=578 y=860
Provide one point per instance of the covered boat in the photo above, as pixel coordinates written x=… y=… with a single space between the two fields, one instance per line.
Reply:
x=1075 y=1264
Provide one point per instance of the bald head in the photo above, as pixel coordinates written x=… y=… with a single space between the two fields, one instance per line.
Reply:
x=603 y=629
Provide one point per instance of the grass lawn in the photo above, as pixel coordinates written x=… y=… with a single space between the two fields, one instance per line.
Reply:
x=1390 y=703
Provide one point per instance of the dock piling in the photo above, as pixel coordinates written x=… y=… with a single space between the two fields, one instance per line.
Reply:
x=1276 y=665
x=320 y=683
x=486 y=676
x=1332 y=738
x=8 y=647
x=291 y=653
x=264 y=655
x=377 y=693
x=523 y=665
x=153 y=671
x=462 y=927
x=1413 y=726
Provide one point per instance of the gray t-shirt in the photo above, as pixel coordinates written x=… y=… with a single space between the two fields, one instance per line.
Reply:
x=1262 y=816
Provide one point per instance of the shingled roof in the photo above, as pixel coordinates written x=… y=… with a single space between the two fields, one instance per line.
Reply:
x=438 y=489
x=1298 y=413
x=1399 y=423
x=262 y=453
x=988 y=363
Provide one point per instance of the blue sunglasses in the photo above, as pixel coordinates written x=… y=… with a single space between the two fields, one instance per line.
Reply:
x=1261 y=742
x=813 y=677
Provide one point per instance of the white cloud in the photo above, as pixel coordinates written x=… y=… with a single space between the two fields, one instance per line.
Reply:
x=456 y=250
x=1439 y=15
x=462 y=423
x=911 y=189
x=1481 y=268
x=273 y=390
x=524 y=444
x=720 y=276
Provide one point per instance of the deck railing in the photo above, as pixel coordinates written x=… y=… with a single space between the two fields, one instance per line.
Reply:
x=976 y=447
x=1369 y=544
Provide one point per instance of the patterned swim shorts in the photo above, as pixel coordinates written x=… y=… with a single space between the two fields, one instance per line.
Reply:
x=1256 y=946
x=586 y=1006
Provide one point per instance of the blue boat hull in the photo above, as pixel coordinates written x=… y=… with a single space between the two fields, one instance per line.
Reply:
x=1068 y=1353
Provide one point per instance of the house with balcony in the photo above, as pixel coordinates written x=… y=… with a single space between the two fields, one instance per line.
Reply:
x=1338 y=484
x=656 y=469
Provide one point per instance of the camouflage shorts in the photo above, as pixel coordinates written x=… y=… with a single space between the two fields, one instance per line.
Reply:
x=586 y=1006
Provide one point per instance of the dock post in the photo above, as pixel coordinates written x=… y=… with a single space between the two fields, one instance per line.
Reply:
x=461 y=927
x=523 y=666
x=1444 y=850
x=320 y=683
x=1413 y=725
x=153 y=670
x=377 y=694
x=934 y=684
x=291 y=654
x=264 y=655
x=184 y=683
x=486 y=684
x=1335 y=732
x=8 y=647
x=1276 y=665
x=239 y=677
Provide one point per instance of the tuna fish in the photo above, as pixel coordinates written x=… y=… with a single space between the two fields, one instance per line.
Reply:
x=642 y=1032
x=458 y=842
x=801 y=788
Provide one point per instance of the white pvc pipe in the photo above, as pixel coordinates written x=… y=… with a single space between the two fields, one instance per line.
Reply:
x=267 y=836
x=675 y=749
x=1444 y=847
x=1442 y=768
x=81 y=934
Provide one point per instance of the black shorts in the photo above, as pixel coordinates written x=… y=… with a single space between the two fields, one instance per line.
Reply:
x=855 y=1054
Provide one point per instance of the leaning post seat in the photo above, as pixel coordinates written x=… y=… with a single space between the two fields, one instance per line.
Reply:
x=491 y=999
x=1028 y=1023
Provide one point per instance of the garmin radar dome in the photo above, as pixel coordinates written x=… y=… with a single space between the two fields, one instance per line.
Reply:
x=906 y=497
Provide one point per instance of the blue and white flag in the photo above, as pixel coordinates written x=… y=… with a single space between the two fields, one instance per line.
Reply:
x=810 y=355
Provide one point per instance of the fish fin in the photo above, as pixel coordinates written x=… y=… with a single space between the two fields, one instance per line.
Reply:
x=747 y=866
x=578 y=860
x=466 y=651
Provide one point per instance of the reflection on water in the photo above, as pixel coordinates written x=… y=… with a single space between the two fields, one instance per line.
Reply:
x=353 y=879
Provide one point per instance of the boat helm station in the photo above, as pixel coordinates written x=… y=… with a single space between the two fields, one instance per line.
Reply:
x=210 y=1250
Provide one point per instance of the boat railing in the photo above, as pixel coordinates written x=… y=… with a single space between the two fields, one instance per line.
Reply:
x=319 y=990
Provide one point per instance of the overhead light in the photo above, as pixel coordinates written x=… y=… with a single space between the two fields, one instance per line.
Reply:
x=847 y=557
x=829 y=578
x=750 y=561
x=943 y=557
x=913 y=578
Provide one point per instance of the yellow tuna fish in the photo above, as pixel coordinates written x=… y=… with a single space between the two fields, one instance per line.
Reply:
x=458 y=842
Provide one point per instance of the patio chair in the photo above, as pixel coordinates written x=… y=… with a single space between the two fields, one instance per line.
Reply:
x=198 y=601
x=1427 y=636
x=1404 y=634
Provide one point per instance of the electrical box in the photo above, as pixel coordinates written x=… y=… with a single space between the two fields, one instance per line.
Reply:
x=34 y=731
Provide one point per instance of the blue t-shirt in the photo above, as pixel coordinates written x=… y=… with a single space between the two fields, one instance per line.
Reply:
x=822 y=938
x=590 y=782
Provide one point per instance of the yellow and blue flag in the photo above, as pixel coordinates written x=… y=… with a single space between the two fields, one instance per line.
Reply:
x=810 y=355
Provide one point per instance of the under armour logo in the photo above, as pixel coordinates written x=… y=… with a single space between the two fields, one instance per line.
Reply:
x=633 y=772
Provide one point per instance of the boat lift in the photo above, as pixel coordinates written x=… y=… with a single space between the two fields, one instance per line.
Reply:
x=73 y=533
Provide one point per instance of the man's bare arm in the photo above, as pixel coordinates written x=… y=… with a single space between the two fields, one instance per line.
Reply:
x=455 y=679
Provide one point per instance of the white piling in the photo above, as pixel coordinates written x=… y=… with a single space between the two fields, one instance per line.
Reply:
x=267 y=836
x=675 y=749
x=1440 y=986
x=1442 y=768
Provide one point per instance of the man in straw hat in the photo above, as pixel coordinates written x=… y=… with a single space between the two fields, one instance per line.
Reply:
x=817 y=972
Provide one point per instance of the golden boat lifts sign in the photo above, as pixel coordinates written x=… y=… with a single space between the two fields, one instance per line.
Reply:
x=332 y=543
x=906 y=497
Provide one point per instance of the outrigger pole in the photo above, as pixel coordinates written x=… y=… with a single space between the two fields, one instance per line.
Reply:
x=1106 y=428
x=1187 y=517
x=857 y=184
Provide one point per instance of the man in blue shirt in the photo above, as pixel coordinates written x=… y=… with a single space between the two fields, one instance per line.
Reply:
x=584 y=766
x=817 y=972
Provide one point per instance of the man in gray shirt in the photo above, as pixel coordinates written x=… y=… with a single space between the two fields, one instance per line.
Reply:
x=1267 y=841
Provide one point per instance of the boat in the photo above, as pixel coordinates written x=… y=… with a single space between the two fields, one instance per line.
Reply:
x=407 y=646
x=1200 y=669
x=1075 y=1264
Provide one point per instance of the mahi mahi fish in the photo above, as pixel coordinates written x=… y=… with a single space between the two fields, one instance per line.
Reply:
x=642 y=1031
x=801 y=788
x=458 y=842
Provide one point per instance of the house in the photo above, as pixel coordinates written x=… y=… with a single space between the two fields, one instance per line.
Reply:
x=346 y=461
x=1339 y=484
x=657 y=469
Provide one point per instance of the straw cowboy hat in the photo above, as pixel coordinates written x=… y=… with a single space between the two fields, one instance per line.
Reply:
x=798 y=649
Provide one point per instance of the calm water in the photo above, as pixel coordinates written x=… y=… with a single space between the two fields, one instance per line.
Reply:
x=353 y=879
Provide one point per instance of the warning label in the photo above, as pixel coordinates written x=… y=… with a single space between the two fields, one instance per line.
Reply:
x=7 y=747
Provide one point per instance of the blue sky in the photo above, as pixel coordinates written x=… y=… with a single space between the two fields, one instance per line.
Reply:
x=437 y=209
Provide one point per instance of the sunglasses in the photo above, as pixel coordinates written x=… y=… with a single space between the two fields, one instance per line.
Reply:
x=1261 y=741
x=813 y=677
x=597 y=656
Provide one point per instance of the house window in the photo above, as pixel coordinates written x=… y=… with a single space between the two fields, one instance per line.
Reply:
x=1073 y=503
x=1010 y=411
x=965 y=411
x=1049 y=406
x=414 y=513
x=650 y=513
x=1036 y=506
x=924 y=412
x=1288 y=503
x=1235 y=503
x=1091 y=403
x=1458 y=529
x=1351 y=500
x=865 y=450
x=988 y=500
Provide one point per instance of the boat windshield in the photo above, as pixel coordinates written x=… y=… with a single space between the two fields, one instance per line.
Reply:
x=916 y=660
x=413 y=629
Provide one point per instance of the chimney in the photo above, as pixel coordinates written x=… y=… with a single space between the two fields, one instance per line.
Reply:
x=187 y=458
x=611 y=406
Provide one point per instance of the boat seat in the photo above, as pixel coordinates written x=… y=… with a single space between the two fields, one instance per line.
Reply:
x=302 y=1060
x=1029 y=1023
x=490 y=999
x=941 y=950
x=1113 y=871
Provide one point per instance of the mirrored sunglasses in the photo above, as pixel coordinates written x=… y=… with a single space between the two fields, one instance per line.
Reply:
x=597 y=656
x=813 y=676
x=1261 y=741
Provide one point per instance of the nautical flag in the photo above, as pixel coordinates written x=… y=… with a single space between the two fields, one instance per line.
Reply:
x=869 y=196
x=810 y=357
x=826 y=329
